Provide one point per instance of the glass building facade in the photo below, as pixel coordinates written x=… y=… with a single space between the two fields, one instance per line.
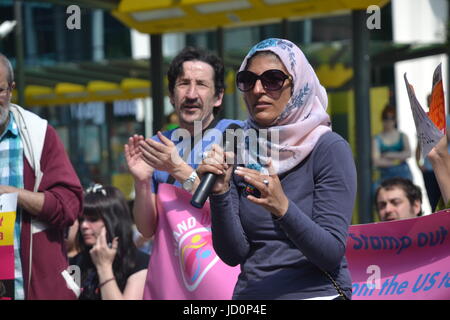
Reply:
x=94 y=133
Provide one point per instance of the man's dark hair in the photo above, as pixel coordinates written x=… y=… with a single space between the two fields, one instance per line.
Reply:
x=191 y=54
x=413 y=192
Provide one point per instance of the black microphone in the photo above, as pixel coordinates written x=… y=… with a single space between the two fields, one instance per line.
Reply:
x=209 y=179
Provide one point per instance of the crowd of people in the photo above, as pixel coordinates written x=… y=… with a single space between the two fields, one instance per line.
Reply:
x=276 y=224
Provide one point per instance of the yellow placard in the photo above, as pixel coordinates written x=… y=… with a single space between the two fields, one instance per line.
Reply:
x=7 y=220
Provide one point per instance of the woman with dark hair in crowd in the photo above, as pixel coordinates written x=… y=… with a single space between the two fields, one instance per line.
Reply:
x=111 y=266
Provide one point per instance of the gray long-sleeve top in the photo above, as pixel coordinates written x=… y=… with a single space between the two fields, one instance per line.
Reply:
x=285 y=258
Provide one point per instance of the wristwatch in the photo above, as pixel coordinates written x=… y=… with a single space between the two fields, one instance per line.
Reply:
x=188 y=184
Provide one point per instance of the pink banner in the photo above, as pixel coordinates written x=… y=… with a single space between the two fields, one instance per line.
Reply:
x=183 y=264
x=401 y=260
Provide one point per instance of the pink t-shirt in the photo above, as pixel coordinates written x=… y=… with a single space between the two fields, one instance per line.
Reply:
x=183 y=264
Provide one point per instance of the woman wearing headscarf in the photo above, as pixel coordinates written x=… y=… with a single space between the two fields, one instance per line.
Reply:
x=284 y=214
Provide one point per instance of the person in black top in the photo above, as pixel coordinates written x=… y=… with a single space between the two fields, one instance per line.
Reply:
x=112 y=268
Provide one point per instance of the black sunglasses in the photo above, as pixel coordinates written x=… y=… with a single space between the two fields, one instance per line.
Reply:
x=272 y=80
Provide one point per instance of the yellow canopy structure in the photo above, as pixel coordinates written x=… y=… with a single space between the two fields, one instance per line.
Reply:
x=86 y=82
x=162 y=16
x=66 y=93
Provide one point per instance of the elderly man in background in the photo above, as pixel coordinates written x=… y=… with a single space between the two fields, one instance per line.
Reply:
x=34 y=164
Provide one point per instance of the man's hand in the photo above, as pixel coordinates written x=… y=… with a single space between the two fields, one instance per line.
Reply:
x=440 y=150
x=139 y=168
x=8 y=189
x=30 y=201
x=161 y=156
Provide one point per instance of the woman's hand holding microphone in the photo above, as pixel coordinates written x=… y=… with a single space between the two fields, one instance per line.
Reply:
x=220 y=163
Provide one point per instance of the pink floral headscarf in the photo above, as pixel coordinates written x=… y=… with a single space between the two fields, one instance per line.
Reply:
x=304 y=118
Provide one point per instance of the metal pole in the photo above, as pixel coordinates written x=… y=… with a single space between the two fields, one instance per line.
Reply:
x=226 y=111
x=20 y=65
x=361 y=67
x=29 y=35
x=157 y=79
x=285 y=29
x=98 y=48
x=220 y=34
x=59 y=33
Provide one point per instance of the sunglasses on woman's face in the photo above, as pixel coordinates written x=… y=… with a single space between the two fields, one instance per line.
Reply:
x=272 y=80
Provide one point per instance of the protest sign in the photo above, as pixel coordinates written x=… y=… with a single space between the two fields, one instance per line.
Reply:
x=401 y=260
x=8 y=207
x=428 y=134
